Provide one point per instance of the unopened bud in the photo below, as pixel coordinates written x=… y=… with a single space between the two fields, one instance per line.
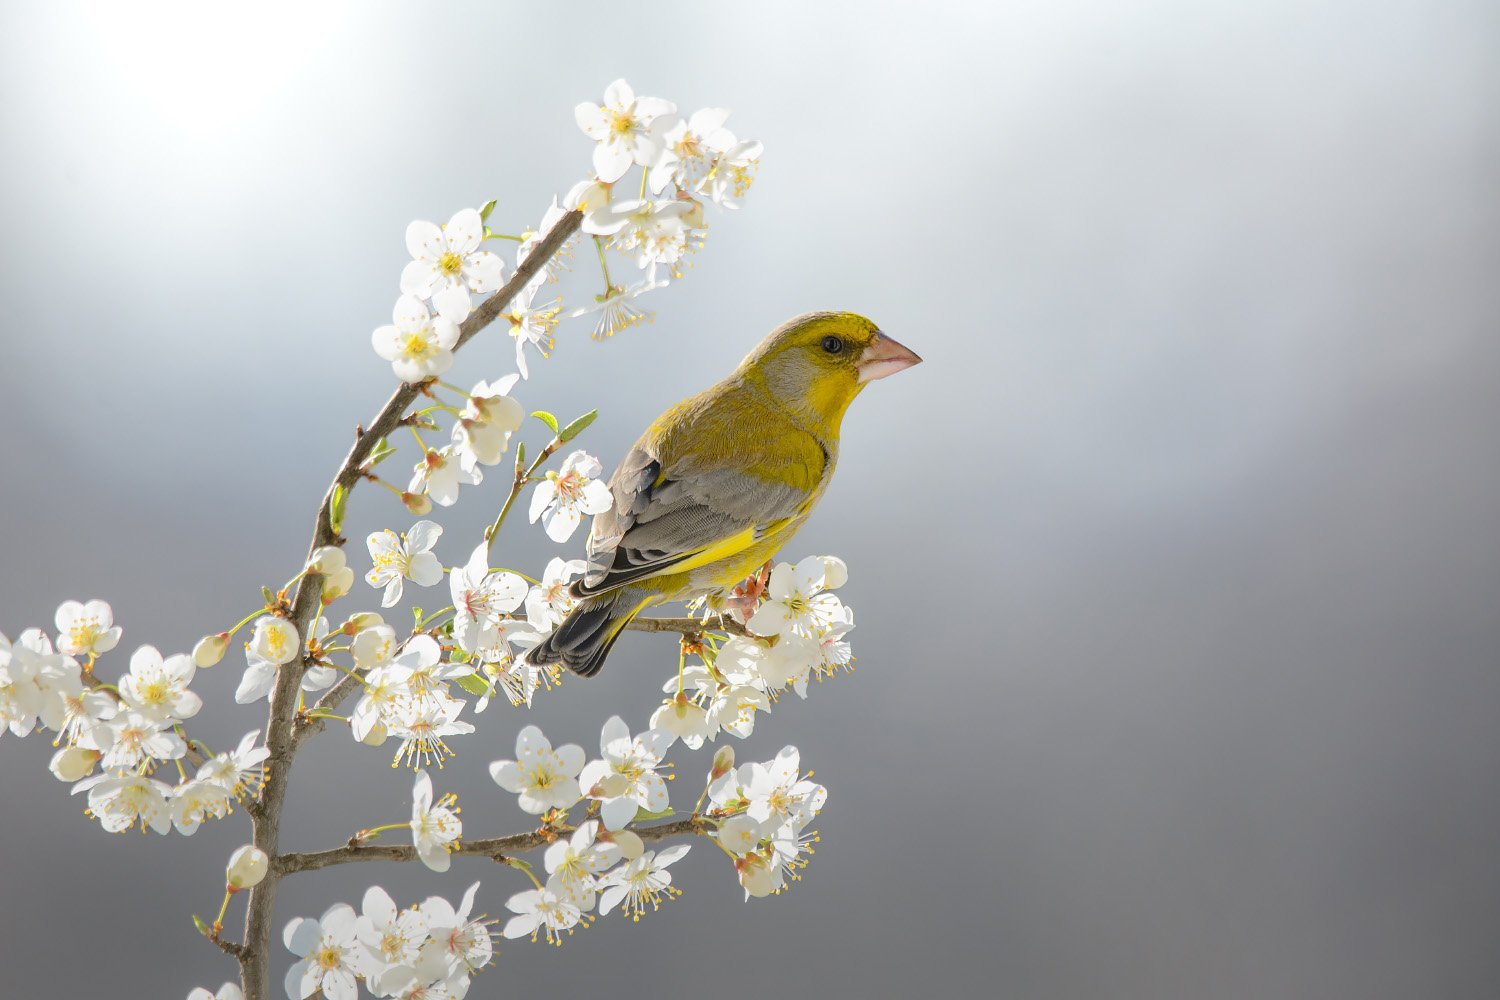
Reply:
x=359 y=621
x=337 y=583
x=417 y=503
x=630 y=845
x=327 y=560
x=723 y=762
x=693 y=218
x=210 y=649
x=247 y=866
x=73 y=763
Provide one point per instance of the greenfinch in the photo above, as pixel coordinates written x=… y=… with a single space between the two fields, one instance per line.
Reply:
x=719 y=482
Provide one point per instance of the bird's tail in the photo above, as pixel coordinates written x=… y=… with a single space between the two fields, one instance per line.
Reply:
x=585 y=637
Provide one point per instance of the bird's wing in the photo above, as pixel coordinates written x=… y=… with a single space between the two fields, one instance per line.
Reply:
x=675 y=519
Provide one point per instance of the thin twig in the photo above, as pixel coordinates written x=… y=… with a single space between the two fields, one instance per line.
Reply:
x=496 y=848
x=688 y=626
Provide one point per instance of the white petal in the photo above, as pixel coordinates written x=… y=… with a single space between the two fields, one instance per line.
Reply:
x=424 y=240
x=423 y=536
x=464 y=231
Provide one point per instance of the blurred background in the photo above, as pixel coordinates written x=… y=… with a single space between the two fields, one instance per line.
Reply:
x=1176 y=565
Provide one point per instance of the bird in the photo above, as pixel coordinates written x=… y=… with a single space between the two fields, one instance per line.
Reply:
x=720 y=481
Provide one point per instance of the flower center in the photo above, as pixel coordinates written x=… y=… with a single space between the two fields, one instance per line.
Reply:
x=451 y=263
x=416 y=344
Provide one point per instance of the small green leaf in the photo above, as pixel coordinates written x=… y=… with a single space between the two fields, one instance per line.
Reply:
x=547 y=419
x=484 y=213
x=336 y=509
x=642 y=814
x=416 y=614
x=473 y=683
x=576 y=428
x=520 y=458
x=265 y=593
x=202 y=927
x=383 y=450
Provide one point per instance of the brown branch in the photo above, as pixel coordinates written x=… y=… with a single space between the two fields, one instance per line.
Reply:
x=230 y=948
x=282 y=735
x=495 y=848
x=688 y=626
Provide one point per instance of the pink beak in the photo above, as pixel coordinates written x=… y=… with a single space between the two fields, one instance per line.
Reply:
x=884 y=357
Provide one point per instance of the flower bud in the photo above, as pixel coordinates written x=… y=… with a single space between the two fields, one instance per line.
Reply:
x=327 y=560
x=630 y=845
x=359 y=621
x=247 y=866
x=417 y=503
x=210 y=649
x=376 y=736
x=757 y=874
x=73 y=763
x=337 y=583
x=723 y=762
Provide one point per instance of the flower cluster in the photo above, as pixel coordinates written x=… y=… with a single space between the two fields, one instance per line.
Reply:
x=683 y=163
x=430 y=950
x=798 y=632
x=765 y=809
x=127 y=730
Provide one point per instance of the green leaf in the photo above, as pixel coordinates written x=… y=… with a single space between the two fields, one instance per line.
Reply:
x=202 y=927
x=473 y=684
x=383 y=450
x=520 y=458
x=547 y=419
x=265 y=593
x=416 y=614
x=576 y=428
x=642 y=814
x=484 y=213
x=336 y=509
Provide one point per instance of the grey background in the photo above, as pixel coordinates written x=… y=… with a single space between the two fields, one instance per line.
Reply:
x=1175 y=564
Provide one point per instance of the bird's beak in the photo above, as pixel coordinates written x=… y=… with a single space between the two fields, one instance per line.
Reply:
x=884 y=357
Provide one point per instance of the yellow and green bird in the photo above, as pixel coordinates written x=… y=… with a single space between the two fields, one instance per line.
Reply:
x=721 y=481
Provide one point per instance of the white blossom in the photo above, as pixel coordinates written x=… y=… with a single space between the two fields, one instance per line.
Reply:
x=86 y=629
x=796 y=600
x=417 y=344
x=331 y=955
x=481 y=599
x=686 y=150
x=140 y=742
x=447 y=264
x=195 y=801
x=617 y=309
x=549 y=603
x=237 y=771
x=566 y=495
x=543 y=778
x=576 y=863
x=229 y=991
x=639 y=883
x=531 y=324
x=621 y=126
x=398 y=558
x=483 y=431
x=122 y=801
x=625 y=779
x=547 y=911
x=435 y=826
x=440 y=473
x=158 y=687
x=462 y=940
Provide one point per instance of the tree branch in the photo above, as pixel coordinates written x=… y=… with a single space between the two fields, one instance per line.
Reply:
x=688 y=626
x=496 y=848
x=282 y=735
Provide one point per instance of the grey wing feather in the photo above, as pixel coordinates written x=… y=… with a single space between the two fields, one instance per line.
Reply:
x=653 y=525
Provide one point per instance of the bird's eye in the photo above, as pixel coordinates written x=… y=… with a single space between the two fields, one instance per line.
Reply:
x=833 y=345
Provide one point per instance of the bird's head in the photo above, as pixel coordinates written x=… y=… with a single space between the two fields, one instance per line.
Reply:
x=820 y=361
